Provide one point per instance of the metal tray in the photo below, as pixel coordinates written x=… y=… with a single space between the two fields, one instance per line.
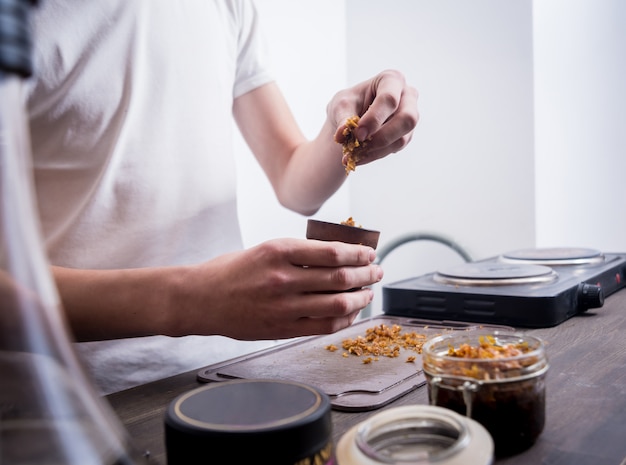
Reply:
x=351 y=384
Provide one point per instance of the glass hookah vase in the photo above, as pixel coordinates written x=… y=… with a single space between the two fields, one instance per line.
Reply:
x=49 y=411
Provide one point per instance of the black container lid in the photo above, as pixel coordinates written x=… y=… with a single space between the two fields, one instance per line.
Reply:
x=246 y=421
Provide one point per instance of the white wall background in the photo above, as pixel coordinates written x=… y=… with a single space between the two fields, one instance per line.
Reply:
x=468 y=173
x=580 y=100
x=521 y=141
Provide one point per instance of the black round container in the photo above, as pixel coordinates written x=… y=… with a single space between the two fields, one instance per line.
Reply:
x=249 y=421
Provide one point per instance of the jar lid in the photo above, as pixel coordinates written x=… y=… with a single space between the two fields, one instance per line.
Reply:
x=424 y=434
x=247 y=421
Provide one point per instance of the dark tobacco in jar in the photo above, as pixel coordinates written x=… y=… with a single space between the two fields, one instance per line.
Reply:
x=498 y=379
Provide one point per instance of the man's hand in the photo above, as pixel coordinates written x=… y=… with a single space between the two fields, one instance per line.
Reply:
x=388 y=113
x=280 y=289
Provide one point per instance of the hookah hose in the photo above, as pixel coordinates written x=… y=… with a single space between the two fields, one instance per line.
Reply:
x=15 y=37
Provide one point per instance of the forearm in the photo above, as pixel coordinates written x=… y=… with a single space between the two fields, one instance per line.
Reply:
x=112 y=304
x=304 y=173
x=285 y=294
x=313 y=174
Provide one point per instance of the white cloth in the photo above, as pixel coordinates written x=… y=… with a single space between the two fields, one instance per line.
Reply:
x=132 y=136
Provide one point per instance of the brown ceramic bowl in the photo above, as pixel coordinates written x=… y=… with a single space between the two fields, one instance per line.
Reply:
x=324 y=231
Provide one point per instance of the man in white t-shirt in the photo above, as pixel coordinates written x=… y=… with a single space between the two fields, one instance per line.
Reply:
x=130 y=114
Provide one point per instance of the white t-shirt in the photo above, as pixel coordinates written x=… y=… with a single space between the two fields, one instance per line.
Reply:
x=132 y=136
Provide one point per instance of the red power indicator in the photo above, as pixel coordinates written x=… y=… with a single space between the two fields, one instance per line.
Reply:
x=618 y=278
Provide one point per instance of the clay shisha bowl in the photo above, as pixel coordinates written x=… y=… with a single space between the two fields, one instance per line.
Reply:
x=324 y=231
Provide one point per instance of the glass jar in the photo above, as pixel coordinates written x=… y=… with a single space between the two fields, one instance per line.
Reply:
x=496 y=378
x=417 y=435
x=49 y=411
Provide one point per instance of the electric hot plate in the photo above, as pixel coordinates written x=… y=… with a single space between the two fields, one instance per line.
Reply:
x=529 y=288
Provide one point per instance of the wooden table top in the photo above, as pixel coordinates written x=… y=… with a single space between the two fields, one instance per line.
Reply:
x=586 y=396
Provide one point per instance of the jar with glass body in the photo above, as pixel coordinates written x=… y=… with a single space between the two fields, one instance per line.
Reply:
x=49 y=411
x=496 y=378
x=416 y=435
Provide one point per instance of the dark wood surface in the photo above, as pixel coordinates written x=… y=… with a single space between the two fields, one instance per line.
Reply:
x=586 y=396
